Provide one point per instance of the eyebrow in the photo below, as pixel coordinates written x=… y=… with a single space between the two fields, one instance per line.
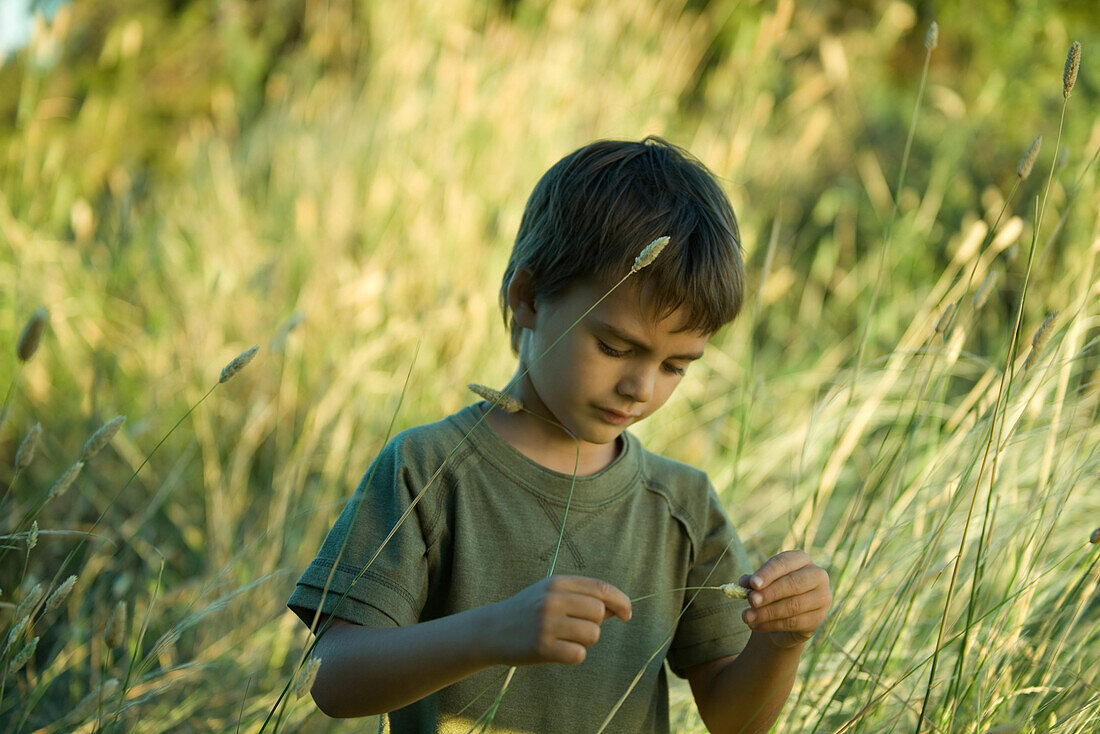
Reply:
x=632 y=341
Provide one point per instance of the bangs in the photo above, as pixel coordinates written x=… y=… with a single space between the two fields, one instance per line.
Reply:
x=706 y=282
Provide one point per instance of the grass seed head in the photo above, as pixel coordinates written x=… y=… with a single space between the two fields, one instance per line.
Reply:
x=982 y=294
x=32 y=535
x=60 y=594
x=65 y=480
x=1023 y=170
x=945 y=317
x=1095 y=537
x=30 y=601
x=17 y=632
x=504 y=401
x=23 y=655
x=735 y=591
x=1039 y=341
x=32 y=334
x=1073 y=63
x=238 y=363
x=25 y=454
x=116 y=626
x=932 y=37
x=307 y=677
x=102 y=437
x=650 y=253
x=279 y=340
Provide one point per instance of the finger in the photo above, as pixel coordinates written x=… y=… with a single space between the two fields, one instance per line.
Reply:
x=581 y=606
x=803 y=624
x=582 y=631
x=564 y=651
x=801 y=581
x=815 y=602
x=777 y=566
x=616 y=602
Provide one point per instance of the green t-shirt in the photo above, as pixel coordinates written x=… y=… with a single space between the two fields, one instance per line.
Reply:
x=487 y=528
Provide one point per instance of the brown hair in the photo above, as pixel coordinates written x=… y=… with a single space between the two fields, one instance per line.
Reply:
x=592 y=213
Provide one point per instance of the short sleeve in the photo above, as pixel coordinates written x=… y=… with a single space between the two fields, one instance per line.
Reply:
x=354 y=576
x=712 y=627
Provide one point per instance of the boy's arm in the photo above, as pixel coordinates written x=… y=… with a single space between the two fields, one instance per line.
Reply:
x=369 y=670
x=744 y=693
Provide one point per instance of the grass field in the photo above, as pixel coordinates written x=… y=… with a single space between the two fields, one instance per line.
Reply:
x=340 y=182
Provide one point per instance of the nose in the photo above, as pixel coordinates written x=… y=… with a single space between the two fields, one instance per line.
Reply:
x=637 y=385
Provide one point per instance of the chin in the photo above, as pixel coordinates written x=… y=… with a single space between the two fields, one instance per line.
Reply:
x=595 y=432
x=608 y=434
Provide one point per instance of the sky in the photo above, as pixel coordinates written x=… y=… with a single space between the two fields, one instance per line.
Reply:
x=16 y=20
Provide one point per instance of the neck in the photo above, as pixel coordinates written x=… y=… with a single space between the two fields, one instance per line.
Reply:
x=536 y=434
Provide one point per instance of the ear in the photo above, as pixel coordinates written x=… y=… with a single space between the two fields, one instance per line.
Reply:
x=521 y=298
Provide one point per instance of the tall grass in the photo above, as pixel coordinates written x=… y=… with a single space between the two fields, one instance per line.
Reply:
x=340 y=181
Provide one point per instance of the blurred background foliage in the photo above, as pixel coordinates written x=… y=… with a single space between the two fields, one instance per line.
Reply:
x=340 y=182
x=141 y=92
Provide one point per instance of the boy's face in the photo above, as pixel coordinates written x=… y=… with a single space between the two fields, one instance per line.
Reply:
x=614 y=368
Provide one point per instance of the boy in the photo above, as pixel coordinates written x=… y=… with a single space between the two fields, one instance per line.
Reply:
x=459 y=592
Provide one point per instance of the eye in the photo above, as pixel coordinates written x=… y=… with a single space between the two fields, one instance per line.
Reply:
x=673 y=369
x=609 y=351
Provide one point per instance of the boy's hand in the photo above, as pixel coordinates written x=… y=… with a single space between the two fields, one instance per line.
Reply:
x=789 y=597
x=555 y=620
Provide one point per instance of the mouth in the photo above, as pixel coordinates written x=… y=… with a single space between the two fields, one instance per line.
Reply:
x=616 y=417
